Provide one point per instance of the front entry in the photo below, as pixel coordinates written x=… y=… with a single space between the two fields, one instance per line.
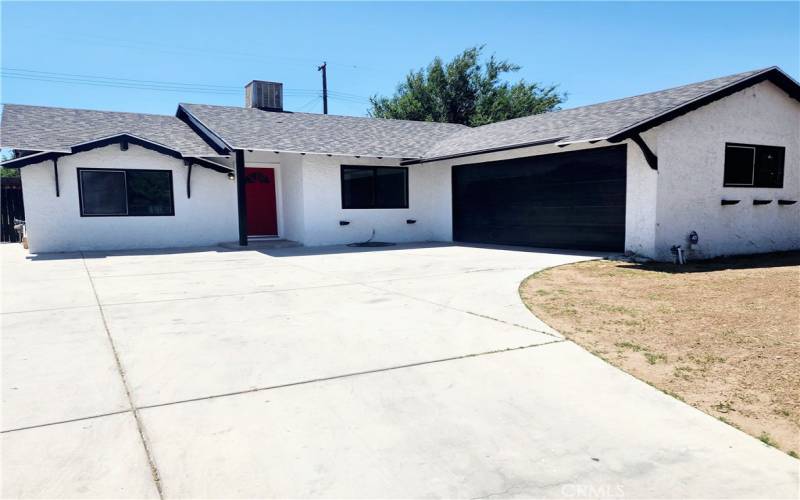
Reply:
x=262 y=214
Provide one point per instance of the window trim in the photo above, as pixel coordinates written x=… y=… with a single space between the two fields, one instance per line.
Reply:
x=754 y=147
x=125 y=171
x=80 y=191
x=752 y=167
x=374 y=169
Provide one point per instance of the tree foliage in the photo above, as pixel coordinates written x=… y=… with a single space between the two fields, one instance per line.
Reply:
x=8 y=154
x=465 y=91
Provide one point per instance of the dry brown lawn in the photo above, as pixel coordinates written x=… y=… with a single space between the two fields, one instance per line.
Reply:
x=722 y=335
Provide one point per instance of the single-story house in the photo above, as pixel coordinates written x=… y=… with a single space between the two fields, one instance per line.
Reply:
x=711 y=166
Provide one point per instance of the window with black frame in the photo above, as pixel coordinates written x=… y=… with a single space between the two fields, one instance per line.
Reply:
x=749 y=165
x=374 y=187
x=119 y=192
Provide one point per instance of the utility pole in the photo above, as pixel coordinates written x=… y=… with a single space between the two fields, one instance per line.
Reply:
x=324 y=69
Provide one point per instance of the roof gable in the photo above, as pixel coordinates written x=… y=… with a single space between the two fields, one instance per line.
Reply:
x=613 y=120
x=124 y=140
x=39 y=128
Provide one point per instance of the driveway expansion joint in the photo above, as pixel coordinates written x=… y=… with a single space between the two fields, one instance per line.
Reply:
x=526 y=423
x=279 y=386
x=128 y=393
x=351 y=374
x=461 y=310
x=68 y=421
x=370 y=284
x=51 y=309
x=218 y=296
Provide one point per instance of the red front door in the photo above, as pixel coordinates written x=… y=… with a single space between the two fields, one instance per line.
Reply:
x=262 y=215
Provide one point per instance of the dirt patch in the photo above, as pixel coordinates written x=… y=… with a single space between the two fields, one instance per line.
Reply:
x=722 y=335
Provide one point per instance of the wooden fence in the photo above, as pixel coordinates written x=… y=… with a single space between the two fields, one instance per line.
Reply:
x=10 y=207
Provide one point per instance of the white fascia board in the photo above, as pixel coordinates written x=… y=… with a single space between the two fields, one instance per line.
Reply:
x=579 y=141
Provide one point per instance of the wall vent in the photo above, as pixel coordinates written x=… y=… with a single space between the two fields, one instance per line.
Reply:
x=264 y=95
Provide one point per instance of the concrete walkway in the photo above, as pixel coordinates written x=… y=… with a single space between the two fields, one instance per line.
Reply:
x=408 y=371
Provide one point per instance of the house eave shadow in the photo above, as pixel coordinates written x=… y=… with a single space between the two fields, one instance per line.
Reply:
x=305 y=251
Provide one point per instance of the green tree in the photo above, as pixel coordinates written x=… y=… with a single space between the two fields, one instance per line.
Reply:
x=465 y=91
x=8 y=154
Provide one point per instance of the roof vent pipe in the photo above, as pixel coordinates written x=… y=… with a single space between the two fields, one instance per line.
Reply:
x=264 y=95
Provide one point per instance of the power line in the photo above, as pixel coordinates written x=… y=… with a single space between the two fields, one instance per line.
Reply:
x=350 y=100
x=204 y=51
x=121 y=85
x=153 y=85
x=345 y=94
x=127 y=82
x=51 y=73
x=309 y=104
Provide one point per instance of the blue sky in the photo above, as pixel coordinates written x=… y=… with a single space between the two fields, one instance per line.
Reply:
x=594 y=51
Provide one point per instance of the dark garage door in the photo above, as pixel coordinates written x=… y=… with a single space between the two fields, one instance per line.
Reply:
x=564 y=200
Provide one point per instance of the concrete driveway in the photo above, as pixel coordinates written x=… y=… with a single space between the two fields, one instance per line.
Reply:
x=411 y=371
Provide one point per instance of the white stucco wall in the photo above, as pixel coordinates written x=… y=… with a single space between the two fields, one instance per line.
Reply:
x=429 y=205
x=293 y=201
x=55 y=224
x=664 y=206
x=640 y=200
x=661 y=207
x=430 y=199
x=691 y=151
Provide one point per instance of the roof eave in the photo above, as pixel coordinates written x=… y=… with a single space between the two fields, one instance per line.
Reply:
x=540 y=142
x=592 y=140
x=388 y=156
x=114 y=139
x=24 y=161
x=38 y=149
x=217 y=167
x=214 y=140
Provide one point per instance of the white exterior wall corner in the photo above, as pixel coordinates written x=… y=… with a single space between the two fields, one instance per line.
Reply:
x=641 y=192
x=293 y=201
x=691 y=151
x=429 y=205
x=55 y=223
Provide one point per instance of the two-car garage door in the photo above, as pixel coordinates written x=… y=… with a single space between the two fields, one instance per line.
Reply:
x=564 y=200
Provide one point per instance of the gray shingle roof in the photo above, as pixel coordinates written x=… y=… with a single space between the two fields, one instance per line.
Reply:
x=56 y=129
x=249 y=128
x=40 y=128
x=597 y=121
